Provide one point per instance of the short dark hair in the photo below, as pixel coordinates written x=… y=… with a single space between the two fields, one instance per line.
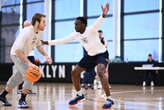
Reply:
x=37 y=17
x=83 y=20
x=149 y=55
x=100 y=31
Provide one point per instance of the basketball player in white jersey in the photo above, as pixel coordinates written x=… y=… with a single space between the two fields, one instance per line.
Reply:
x=97 y=54
x=28 y=39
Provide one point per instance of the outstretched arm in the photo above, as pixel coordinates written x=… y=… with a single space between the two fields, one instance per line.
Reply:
x=61 y=41
x=43 y=52
x=98 y=22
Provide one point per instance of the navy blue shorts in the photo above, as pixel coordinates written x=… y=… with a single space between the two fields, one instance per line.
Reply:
x=91 y=61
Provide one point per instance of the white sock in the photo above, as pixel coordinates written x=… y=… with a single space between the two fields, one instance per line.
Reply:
x=109 y=97
x=80 y=93
x=99 y=82
x=95 y=82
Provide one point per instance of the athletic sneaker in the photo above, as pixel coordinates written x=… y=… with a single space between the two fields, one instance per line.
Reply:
x=76 y=99
x=108 y=104
x=22 y=104
x=4 y=101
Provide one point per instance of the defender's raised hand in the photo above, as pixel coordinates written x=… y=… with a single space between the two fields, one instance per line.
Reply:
x=105 y=9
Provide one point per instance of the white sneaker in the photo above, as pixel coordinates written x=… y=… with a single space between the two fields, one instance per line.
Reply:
x=152 y=83
x=144 y=84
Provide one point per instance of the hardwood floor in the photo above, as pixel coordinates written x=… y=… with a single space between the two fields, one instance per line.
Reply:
x=55 y=96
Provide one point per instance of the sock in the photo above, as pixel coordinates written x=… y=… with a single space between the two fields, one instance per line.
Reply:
x=80 y=93
x=23 y=96
x=99 y=82
x=109 y=97
x=4 y=93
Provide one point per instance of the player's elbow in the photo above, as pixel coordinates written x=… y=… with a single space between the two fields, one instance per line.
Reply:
x=18 y=52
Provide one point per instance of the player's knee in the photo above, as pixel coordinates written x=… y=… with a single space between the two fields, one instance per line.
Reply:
x=101 y=71
x=73 y=73
x=27 y=85
x=13 y=82
x=100 y=74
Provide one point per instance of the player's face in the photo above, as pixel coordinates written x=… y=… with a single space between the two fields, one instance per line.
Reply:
x=100 y=34
x=149 y=58
x=42 y=24
x=79 y=26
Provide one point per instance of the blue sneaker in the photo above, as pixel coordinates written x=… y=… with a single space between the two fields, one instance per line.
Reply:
x=108 y=104
x=4 y=101
x=22 y=104
x=76 y=99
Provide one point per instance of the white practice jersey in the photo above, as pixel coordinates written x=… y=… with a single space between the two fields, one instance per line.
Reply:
x=26 y=41
x=89 y=39
x=32 y=53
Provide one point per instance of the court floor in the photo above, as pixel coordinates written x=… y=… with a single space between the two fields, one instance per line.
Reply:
x=55 y=96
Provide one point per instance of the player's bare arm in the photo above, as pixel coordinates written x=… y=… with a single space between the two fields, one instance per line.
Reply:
x=43 y=52
x=22 y=57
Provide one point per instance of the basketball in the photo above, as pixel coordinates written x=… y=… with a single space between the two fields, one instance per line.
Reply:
x=33 y=74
